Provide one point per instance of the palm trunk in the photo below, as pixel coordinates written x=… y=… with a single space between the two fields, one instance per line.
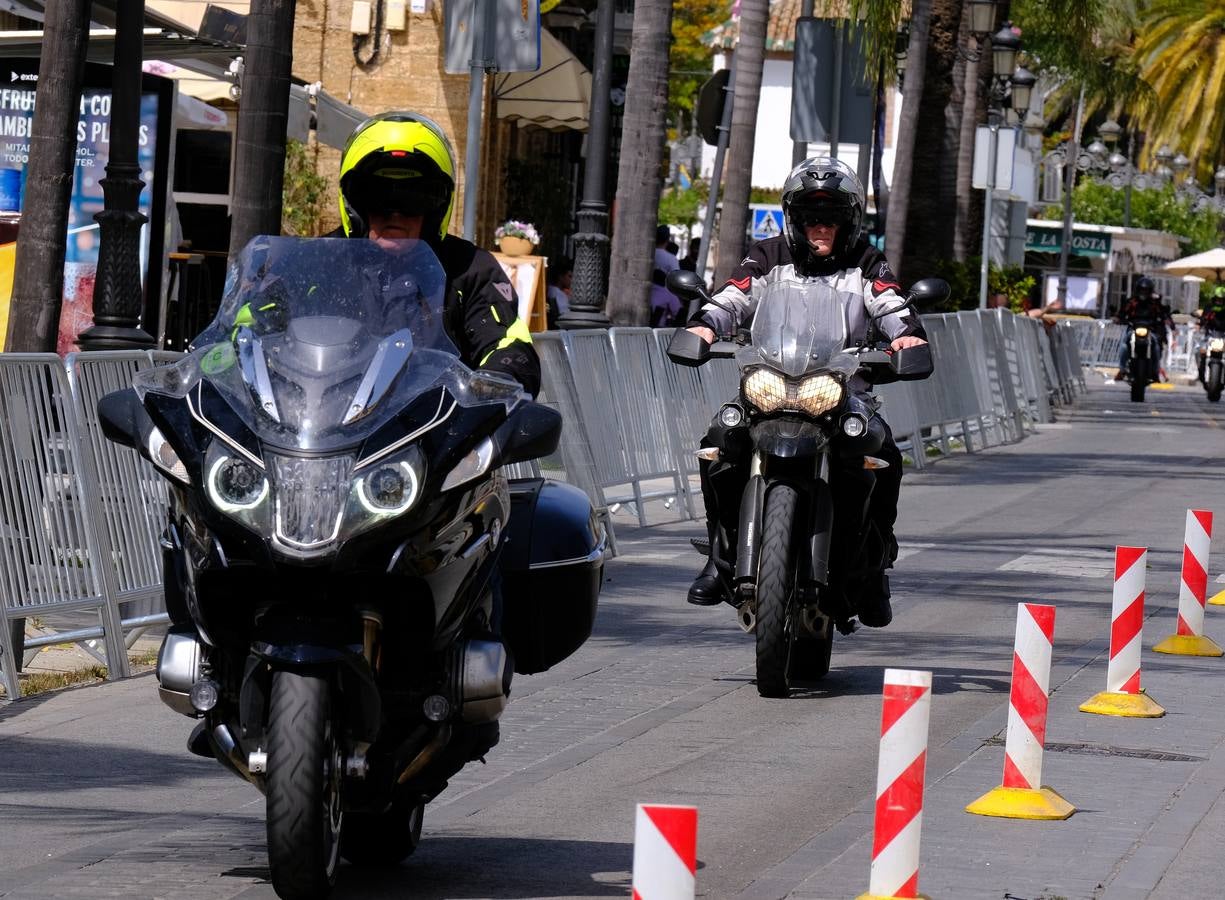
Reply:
x=38 y=278
x=969 y=202
x=929 y=228
x=908 y=123
x=638 y=175
x=263 y=113
x=750 y=58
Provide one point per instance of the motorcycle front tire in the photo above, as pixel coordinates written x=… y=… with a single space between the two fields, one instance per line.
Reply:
x=305 y=773
x=1216 y=381
x=776 y=576
x=1140 y=372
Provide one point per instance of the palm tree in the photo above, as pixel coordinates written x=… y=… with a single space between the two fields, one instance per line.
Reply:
x=1180 y=49
x=901 y=191
x=642 y=149
x=750 y=57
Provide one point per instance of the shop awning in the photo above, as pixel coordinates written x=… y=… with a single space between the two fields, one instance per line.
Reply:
x=556 y=96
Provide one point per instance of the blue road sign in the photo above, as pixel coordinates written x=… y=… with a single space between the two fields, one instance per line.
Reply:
x=767 y=222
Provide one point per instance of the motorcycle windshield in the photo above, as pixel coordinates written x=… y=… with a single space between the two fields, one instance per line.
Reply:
x=319 y=342
x=800 y=327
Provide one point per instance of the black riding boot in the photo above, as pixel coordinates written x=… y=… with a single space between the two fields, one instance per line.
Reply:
x=707 y=589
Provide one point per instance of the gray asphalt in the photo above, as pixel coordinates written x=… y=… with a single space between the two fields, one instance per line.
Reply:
x=99 y=799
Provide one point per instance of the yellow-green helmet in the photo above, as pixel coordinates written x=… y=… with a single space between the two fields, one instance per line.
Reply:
x=401 y=158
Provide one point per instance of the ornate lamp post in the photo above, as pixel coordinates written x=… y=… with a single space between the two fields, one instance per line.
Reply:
x=1005 y=45
x=591 y=243
x=119 y=297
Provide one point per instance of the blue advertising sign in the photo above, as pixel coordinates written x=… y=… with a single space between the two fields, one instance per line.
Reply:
x=86 y=199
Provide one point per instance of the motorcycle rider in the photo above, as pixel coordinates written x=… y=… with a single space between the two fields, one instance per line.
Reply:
x=823 y=238
x=1144 y=306
x=1211 y=319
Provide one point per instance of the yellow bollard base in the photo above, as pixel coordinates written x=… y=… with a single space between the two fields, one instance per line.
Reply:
x=1116 y=703
x=1189 y=645
x=1217 y=599
x=1022 y=803
x=1161 y=386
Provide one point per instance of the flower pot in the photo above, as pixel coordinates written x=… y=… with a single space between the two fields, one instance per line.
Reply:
x=515 y=246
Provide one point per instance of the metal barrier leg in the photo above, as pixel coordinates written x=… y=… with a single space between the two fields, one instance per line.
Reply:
x=10 y=662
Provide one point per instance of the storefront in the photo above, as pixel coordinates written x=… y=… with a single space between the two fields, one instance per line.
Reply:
x=1103 y=261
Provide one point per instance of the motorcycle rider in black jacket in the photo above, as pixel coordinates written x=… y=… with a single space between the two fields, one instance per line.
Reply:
x=823 y=210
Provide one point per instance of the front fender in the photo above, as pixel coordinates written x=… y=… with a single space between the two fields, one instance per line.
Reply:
x=362 y=703
x=788 y=438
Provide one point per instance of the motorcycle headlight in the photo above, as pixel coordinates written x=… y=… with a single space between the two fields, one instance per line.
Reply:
x=1141 y=332
x=1217 y=345
x=765 y=389
x=389 y=489
x=814 y=396
x=311 y=496
x=234 y=484
x=818 y=394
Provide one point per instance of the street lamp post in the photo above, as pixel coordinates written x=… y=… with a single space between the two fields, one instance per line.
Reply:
x=1005 y=45
x=591 y=241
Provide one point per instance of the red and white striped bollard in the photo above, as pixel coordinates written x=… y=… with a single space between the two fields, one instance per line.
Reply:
x=665 y=852
x=1123 y=695
x=900 y=771
x=1190 y=639
x=1022 y=795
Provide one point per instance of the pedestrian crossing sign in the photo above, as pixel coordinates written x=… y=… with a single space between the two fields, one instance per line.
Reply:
x=767 y=222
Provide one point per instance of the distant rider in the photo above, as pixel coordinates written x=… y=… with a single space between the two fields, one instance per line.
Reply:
x=823 y=238
x=1212 y=319
x=1144 y=307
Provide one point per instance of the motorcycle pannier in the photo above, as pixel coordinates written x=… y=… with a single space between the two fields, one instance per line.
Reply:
x=551 y=569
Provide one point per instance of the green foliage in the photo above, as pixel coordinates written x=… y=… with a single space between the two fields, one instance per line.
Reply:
x=964 y=277
x=766 y=195
x=690 y=61
x=680 y=206
x=304 y=193
x=1160 y=210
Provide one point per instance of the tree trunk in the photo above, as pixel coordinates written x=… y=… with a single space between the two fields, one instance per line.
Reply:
x=908 y=123
x=969 y=200
x=929 y=227
x=638 y=175
x=38 y=277
x=750 y=58
x=263 y=113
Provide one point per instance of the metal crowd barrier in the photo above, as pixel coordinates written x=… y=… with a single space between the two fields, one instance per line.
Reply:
x=80 y=518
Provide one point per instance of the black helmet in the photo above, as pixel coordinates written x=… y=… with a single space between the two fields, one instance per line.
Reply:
x=822 y=190
x=1144 y=288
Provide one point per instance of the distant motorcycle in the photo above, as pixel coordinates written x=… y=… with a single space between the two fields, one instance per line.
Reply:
x=340 y=536
x=1212 y=363
x=807 y=437
x=1142 y=367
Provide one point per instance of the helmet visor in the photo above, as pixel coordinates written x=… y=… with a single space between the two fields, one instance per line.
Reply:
x=808 y=215
x=410 y=194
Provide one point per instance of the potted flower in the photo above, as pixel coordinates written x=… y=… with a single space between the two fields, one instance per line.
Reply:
x=516 y=238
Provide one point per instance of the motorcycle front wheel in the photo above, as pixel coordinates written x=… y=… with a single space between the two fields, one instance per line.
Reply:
x=1215 y=382
x=305 y=774
x=776 y=576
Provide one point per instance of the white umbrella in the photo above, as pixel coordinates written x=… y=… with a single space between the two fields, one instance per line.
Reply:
x=1207 y=265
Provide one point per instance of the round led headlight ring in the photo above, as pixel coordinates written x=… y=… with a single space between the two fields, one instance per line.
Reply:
x=389 y=488
x=236 y=483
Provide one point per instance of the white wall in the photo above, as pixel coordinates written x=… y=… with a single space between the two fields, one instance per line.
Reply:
x=773 y=145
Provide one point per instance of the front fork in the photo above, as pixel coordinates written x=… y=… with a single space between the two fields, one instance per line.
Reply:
x=819 y=528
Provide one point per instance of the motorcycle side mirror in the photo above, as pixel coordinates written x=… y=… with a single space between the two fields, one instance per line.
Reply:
x=533 y=431
x=687 y=285
x=122 y=418
x=927 y=292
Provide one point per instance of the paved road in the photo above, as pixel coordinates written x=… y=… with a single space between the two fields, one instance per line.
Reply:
x=98 y=799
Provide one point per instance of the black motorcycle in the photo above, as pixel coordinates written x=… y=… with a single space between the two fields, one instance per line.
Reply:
x=1212 y=363
x=808 y=441
x=1142 y=366
x=350 y=577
